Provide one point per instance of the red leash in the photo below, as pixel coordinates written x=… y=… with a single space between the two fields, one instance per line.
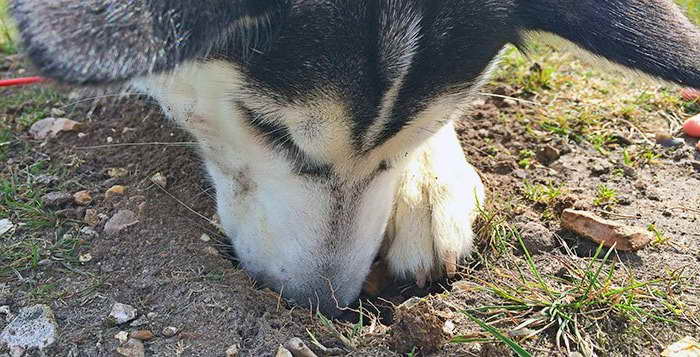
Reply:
x=20 y=81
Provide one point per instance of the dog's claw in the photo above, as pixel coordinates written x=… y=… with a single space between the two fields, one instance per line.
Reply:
x=450 y=262
x=421 y=278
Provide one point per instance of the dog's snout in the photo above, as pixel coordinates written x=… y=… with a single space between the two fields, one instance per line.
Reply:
x=329 y=294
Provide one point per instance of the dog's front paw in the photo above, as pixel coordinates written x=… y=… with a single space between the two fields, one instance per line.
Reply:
x=437 y=200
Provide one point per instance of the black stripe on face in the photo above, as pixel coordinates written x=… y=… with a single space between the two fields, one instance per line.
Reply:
x=278 y=137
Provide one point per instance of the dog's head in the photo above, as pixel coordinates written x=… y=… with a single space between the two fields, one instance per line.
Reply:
x=306 y=110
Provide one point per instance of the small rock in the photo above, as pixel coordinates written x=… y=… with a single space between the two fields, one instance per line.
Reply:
x=82 y=198
x=686 y=347
x=33 y=327
x=504 y=167
x=600 y=167
x=283 y=352
x=5 y=226
x=58 y=112
x=211 y=251
x=116 y=190
x=110 y=140
x=140 y=321
x=88 y=232
x=117 y=172
x=49 y=127
x=668 y=141
x=132 y=348
x=45 y=180
x=56 y=199
x=548 y=155
x=151 y=315
x=205 y=237
x=607 y=232
x=91 y=217
x=536 y=237
x=232 y=351
x=169 y=331
x=143 y=335
x=449 y=327
x=84 y=258
x=120 y=221
x=520 y=173
x=159 y=179
x=122 y=313
x=122 y=336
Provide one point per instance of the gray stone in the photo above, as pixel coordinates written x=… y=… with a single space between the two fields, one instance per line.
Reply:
x=33 y=327
x=132 y=348
x=122 y=313
x=56 y=199
x=120 y=221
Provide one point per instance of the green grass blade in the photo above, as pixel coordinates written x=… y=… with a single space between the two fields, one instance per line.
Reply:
x=521 y=352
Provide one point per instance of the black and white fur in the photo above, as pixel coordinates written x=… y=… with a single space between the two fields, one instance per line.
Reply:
x=326 y=125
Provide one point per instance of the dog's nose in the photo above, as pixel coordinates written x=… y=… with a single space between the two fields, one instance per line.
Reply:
x=327 y=294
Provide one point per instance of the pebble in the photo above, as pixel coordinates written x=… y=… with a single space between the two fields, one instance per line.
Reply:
x=449 y=327
x=116 y=190
x=122 y=336
x=70 y=213
x=132 y=348
x=117 y=172
x=122 y=313
x=159 y=179
x=45 y=179
x=89 y=232
x=56 y=199
x=91 y=217
x=84 y=258
x=33 y=327
x=232 y=351
x=120 y=221
x=140 y=321
x=169 y=331
x=143 y=335
x=205 y=237
x=82 y=198
x=58 y=112
x=668 y=141
x=5 y=226
x=283 y=352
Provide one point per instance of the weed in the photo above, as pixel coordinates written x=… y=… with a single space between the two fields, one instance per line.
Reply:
x=526 y=158
x=542 y=194
x=605 y=196
x=659 y=237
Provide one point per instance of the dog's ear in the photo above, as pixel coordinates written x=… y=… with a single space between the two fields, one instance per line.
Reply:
x=101 y=41
x=651 y=36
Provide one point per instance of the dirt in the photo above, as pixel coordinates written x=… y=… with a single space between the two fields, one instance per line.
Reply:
x=161 y=267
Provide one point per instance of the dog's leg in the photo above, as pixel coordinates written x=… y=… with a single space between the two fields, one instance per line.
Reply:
x=436 y=203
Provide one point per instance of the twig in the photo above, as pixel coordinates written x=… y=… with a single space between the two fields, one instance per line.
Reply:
x=182 y=143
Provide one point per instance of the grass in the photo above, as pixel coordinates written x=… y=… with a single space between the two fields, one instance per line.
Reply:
x=8 y=37
x=574 y=304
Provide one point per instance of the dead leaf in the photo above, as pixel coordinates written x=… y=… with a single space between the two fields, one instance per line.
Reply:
x=49 y=127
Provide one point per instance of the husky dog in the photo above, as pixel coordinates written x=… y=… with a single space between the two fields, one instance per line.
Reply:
x=326 y=125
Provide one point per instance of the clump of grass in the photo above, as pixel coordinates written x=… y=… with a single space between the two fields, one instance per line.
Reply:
x=526 y=158
x=605 y=196
x=576 y=303
x=8 y=43
x=544 y=194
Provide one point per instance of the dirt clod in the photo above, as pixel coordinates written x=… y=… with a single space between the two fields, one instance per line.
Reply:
x=91 y=217
x=604 y=231
x=417 y=325
x=117 y=172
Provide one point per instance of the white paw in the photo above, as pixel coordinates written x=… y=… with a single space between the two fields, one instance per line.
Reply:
x=437 y=200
